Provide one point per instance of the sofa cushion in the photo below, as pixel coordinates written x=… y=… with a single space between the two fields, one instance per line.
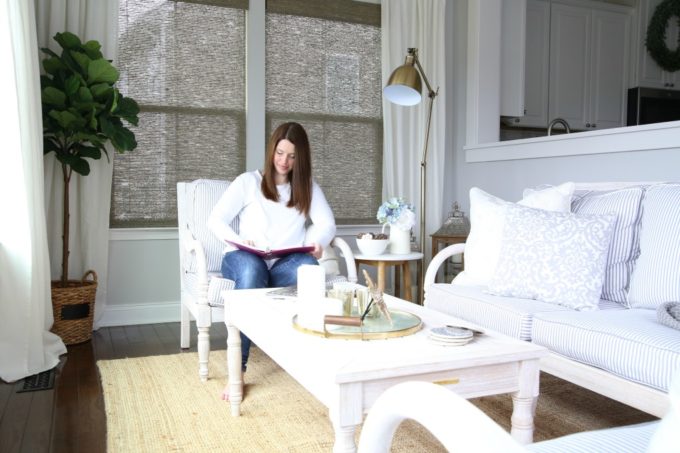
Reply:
x=507 y=315
x=553 y=257
x=629 y=343
x=487 y=219
x=624 y=246
x=656 y=277
x=624 y=439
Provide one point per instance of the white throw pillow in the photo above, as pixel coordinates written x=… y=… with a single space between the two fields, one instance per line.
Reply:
x=656 y=277
x=553 y=257
x=487 y=219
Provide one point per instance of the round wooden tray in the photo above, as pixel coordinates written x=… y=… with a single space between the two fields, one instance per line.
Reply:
x=378 y=328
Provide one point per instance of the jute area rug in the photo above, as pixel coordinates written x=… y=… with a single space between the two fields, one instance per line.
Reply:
x=158 y=404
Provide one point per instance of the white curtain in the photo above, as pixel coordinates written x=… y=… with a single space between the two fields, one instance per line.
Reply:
x=26 y=345
x=419 y=24
x=90 y=195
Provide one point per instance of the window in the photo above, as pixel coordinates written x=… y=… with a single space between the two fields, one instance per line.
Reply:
x=323 y=71
x=184 y=63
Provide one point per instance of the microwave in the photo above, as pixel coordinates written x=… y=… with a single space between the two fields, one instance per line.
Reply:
x=652 y=105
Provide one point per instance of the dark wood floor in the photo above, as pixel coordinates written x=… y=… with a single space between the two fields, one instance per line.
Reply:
x=70 y=417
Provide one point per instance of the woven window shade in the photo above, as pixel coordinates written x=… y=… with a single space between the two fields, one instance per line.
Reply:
x=184 y=63
x=325 y=74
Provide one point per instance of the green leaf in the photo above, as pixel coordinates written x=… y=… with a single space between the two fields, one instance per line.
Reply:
x=84 y=95
x=49 y=52
x=53 y=65
x=101 y=91
x=45 y=82
x=49 y=145
x=71 y=85
x=128 y=110
x=78 y=164
x=91 y=152
x=82 y=60
x=92 y=49
x=53 y=96
x=101 y=71
x=121 y=138
x=67 y=40
x=67 y=120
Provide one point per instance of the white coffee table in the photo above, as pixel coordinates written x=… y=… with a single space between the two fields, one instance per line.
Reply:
x=347 y=376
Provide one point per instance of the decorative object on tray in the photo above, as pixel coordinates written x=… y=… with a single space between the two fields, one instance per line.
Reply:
x=372 y=244
x=668 y=314
x=451 y=335
x=400 y=216
x=377 y=298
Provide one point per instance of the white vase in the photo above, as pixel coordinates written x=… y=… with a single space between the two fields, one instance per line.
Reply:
x=400 y=241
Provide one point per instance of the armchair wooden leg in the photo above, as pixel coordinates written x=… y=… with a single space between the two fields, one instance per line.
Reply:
x=203 y=352
x=184 y=327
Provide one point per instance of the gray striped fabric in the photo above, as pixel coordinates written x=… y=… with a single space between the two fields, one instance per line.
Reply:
x=656 y=277
x=624 y=246
x=626 y=439
x=507 y=315
x=203 y=195
x=629 y=343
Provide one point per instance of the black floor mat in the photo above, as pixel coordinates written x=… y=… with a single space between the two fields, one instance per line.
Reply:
x=40 y=381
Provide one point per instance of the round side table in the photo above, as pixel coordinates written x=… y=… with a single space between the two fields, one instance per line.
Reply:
x=399 y=261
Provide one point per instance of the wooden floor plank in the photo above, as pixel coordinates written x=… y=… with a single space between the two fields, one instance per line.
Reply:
x=13 y=426
x=38 y=430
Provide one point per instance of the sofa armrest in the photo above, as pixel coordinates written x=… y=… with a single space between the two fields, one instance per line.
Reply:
x=348 y=256
x=438 y=260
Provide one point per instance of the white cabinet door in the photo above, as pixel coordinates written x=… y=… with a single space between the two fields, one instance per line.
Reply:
x=649 y=73
x=537 y=63
x=570 y=44
x=609 y=74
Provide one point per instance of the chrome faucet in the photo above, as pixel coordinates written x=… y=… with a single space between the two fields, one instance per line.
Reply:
x=561 y=121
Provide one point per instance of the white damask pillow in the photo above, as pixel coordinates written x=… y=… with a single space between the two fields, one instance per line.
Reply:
x=553 y=257
x=487 y=219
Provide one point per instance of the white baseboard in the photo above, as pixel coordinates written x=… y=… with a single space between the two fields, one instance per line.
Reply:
x=151 y=313
x=133 y=314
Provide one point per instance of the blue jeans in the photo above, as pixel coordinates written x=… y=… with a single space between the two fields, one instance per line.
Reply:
x=250 y=271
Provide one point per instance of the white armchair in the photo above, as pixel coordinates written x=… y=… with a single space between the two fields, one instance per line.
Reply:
x=200 y=255
x=462 y=427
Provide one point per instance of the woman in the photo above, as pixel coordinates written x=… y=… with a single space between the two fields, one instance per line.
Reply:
x=273 y=208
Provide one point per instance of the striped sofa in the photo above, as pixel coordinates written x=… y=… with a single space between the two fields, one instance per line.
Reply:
x=618 y=348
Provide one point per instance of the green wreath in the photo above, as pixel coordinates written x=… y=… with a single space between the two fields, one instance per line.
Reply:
x=656 y=36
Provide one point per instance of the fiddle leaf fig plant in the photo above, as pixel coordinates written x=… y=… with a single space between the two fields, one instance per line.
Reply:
x=82 y=111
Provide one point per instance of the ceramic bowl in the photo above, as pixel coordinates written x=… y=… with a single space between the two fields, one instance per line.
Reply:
x=372 y=246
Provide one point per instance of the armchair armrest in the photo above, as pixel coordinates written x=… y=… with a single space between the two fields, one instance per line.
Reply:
x=192 y=246
x=438 y=259
x=348 y=256
x=454 y=421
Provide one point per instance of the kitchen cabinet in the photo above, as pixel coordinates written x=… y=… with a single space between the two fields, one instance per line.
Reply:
x=536 y=70
x=649 y=73
x=589 y=51
x=577 y=60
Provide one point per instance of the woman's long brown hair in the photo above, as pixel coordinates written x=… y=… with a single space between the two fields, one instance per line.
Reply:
x=300 y=176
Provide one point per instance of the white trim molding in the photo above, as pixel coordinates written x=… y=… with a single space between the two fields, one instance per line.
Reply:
x=649 y=137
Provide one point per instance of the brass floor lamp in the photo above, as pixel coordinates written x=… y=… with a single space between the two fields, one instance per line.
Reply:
x=404 y=87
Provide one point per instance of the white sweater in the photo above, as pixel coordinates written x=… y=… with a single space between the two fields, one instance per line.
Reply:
x=267 y=223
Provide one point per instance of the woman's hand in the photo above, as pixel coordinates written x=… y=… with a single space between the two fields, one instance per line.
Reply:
x=318 y=251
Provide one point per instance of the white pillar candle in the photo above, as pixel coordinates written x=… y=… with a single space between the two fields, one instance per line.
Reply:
x=311 y=282
x=311 y=291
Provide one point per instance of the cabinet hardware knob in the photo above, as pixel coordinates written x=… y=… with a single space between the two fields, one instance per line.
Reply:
x=587 y=124
x=594 y=125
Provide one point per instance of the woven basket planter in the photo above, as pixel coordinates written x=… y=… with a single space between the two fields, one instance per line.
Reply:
x=73 y=308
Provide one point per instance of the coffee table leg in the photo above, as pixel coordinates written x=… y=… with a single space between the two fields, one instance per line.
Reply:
x=234 y=367
x=524 y=402
x=344 y=438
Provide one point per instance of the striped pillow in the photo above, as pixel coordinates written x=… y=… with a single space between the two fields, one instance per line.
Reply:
x=656 y=277
x=624 y=247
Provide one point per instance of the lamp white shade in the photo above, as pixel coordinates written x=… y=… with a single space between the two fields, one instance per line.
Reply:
x=402 y=95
